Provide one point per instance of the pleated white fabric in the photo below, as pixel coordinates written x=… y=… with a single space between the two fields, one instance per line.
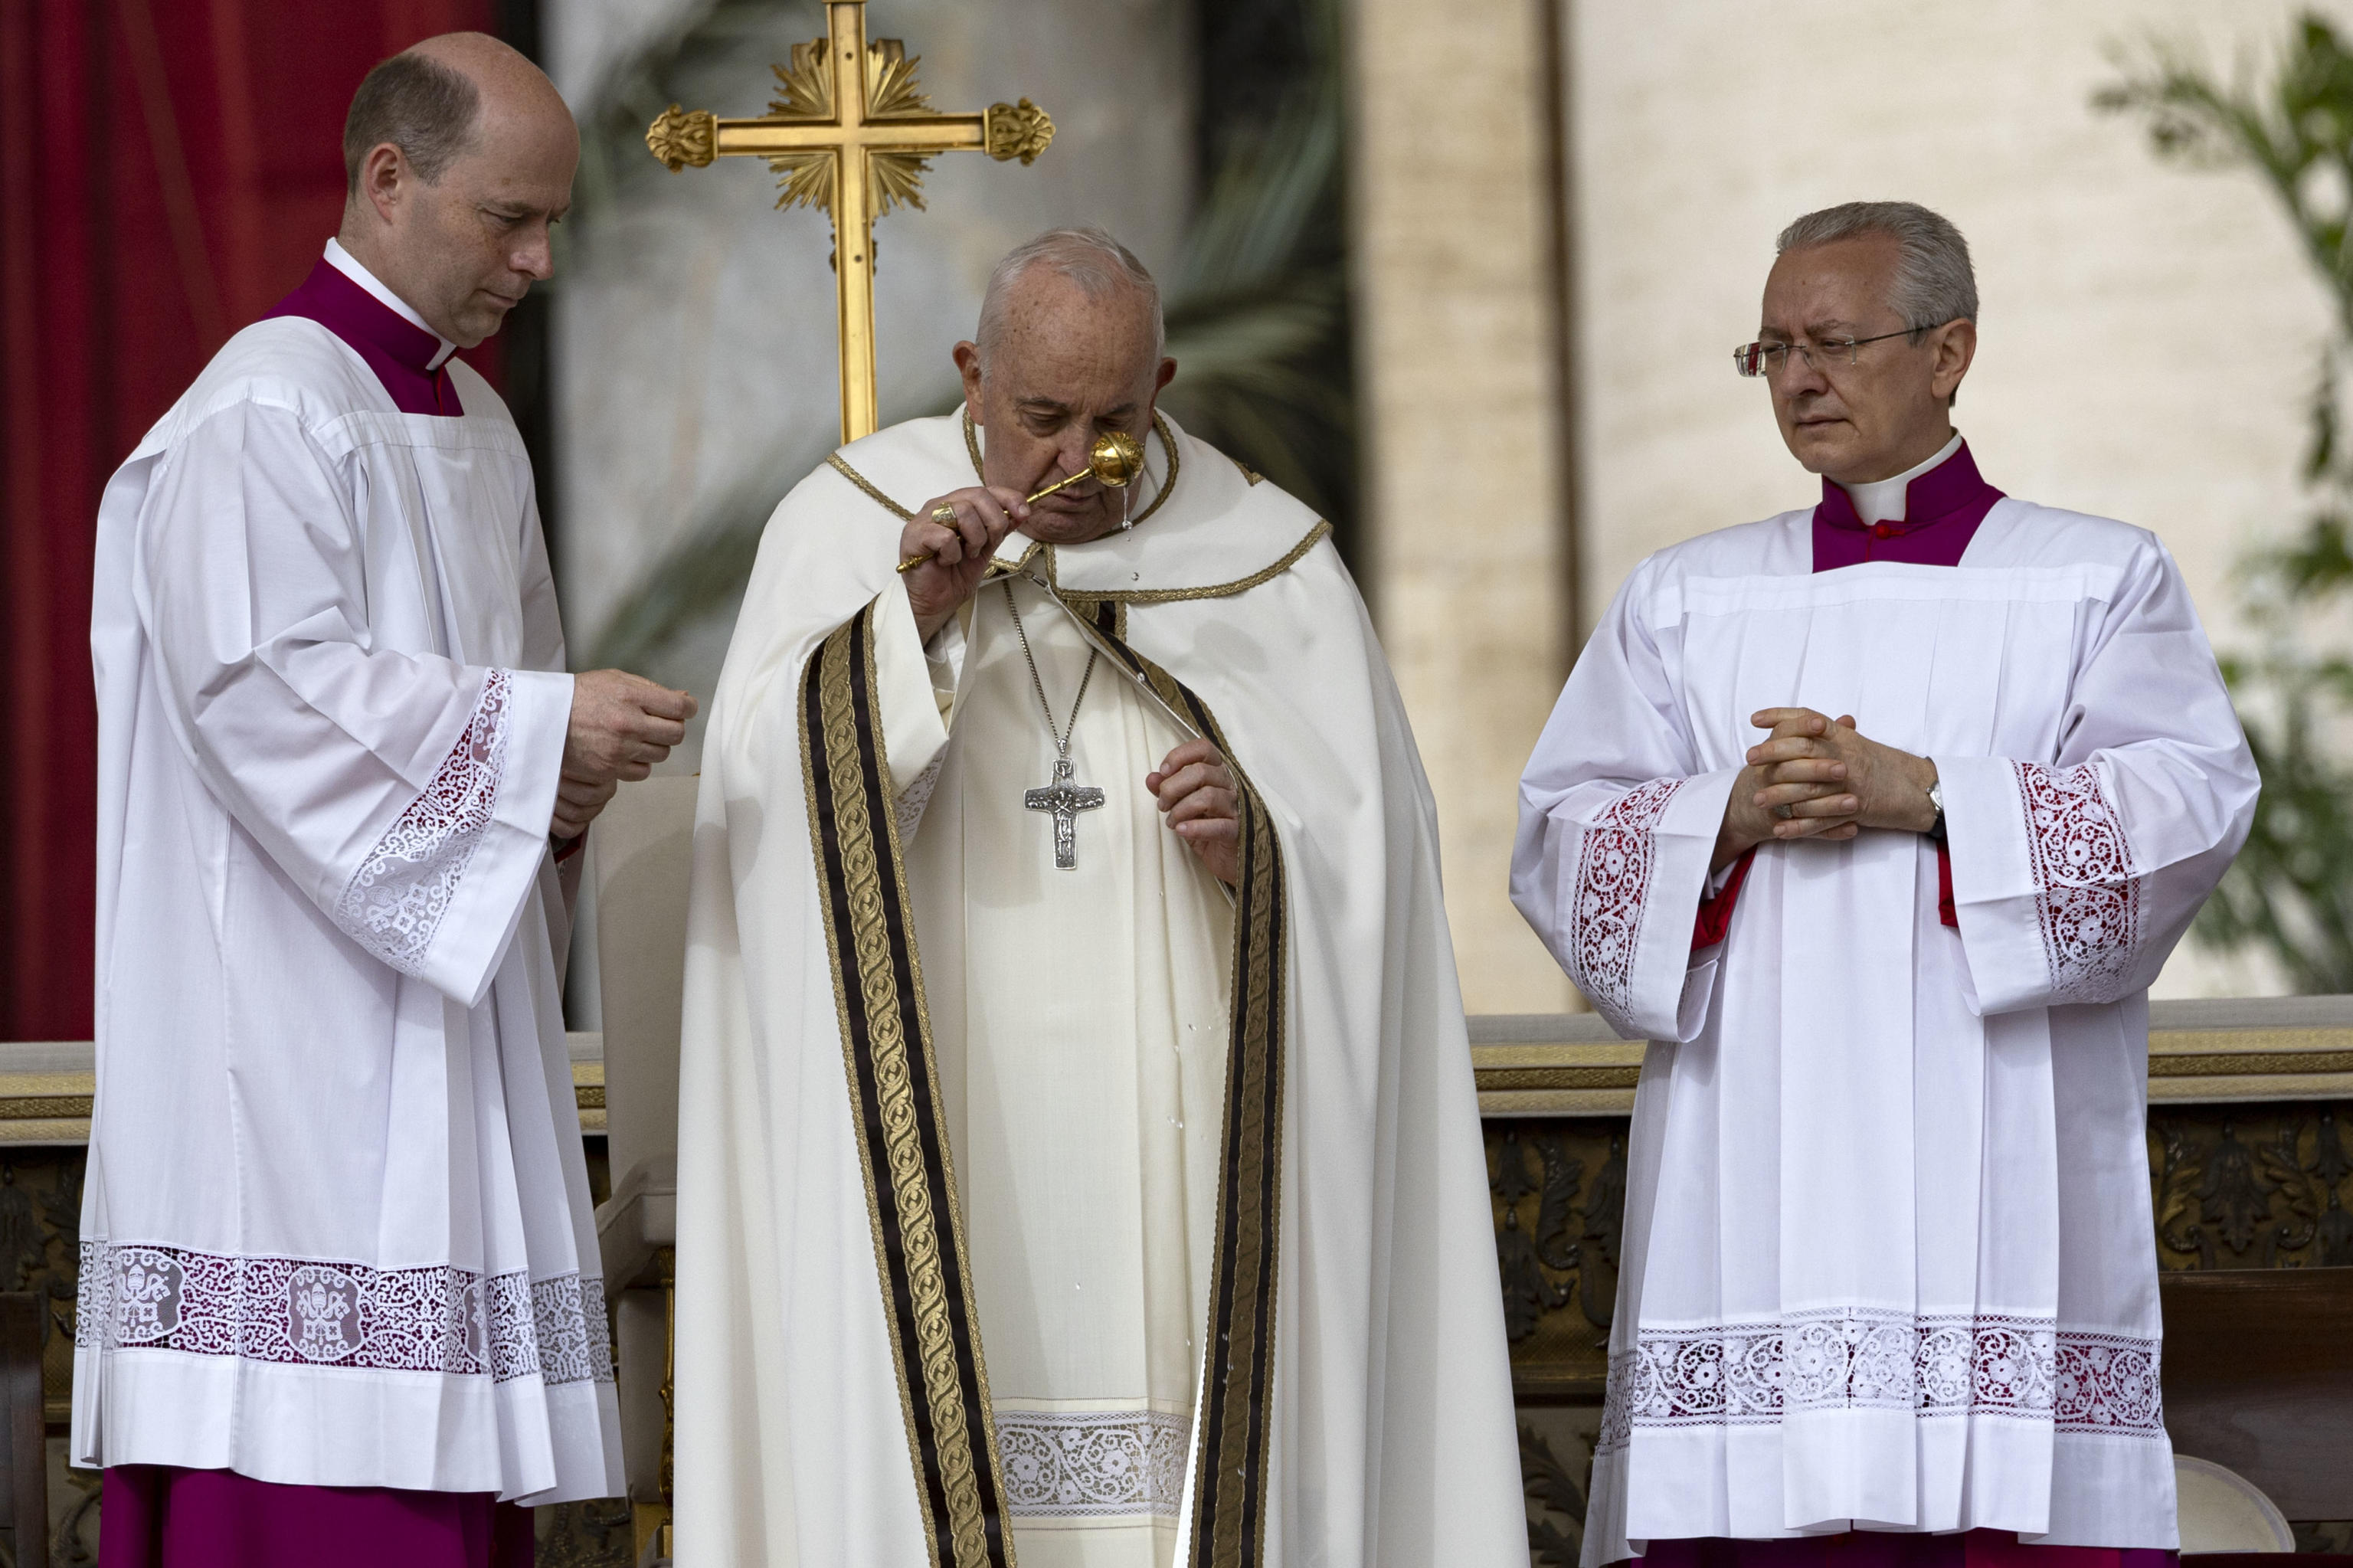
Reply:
x=1889 y=1260
x=337 y=1228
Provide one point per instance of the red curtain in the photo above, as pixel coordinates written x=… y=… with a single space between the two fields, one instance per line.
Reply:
x=168 y=169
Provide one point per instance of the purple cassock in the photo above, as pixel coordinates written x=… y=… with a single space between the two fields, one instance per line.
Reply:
x=1942 y=509
x=157 y=1516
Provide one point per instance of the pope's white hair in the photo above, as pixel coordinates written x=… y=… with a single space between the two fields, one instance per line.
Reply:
x=1100 y=265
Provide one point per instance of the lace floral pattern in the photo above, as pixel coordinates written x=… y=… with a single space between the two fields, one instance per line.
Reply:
x=909 y=808
x=2085 y=893
x=1751 y=1373
x=2107 y=1383
x=1613 y=884
x=1093 y=1463
x=322 y=1313
x=396 y=899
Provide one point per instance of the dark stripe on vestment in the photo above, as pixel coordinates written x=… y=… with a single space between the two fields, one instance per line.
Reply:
x=909 y=1172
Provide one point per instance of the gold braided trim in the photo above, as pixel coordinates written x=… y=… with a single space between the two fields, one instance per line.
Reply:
x=967 y=1482
x=1159 y=425
x=838 y=466
x=1215 y=590
x=999 y=567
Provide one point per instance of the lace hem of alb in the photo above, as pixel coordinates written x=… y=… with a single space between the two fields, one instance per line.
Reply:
x=1736 y=1374
x=2086 y=898
x=1613 y=884
x=1091 y=1464
x=317 y=1312
x=395 y=902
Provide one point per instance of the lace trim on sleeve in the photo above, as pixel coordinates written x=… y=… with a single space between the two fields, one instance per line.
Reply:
x=1613 y=884
x=2086 y=898
x=396 y=899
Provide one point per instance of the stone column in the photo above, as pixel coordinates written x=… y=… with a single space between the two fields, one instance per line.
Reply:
x=1458 y=311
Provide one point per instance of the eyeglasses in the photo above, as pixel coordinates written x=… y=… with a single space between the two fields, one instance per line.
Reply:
x=1771 y=358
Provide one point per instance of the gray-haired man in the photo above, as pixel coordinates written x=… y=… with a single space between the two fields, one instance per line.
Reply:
x=1080 y=1147
x=1889 y=1263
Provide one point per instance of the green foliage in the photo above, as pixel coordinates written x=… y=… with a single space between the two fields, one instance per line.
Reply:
x=2291 y=891
x=1257 y=311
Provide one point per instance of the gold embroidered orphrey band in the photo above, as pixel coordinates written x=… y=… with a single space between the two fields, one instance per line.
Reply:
x=910 y=1196
x=909 y=1178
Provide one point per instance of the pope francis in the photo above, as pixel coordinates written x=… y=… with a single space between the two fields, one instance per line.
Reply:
x=1079 y=1157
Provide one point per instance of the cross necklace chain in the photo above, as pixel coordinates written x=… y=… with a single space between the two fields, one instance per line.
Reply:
x=1064 y=799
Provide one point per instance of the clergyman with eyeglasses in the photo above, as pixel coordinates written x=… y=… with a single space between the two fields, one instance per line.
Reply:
x=1878 y=817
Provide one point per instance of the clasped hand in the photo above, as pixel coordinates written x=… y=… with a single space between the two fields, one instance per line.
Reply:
x=1816 y=777
x=621 y=726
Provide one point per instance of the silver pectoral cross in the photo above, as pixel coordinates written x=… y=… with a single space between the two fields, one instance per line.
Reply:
x=1066 y=801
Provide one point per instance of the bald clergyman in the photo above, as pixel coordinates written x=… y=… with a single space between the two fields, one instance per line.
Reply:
x=340 y=1290
x=1079 y=1153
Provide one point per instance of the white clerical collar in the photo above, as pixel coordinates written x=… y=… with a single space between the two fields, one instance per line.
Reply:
x=343 y=262
x=1882 y=501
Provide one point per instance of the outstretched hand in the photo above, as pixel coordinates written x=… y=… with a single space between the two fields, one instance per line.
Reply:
x=1813 y=777
x=621 y=726
x=1197 y=794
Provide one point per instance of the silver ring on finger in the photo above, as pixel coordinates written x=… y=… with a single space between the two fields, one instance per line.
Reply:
x=1785 y=813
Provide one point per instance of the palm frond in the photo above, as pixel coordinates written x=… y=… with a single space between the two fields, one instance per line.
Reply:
x=2290 y=893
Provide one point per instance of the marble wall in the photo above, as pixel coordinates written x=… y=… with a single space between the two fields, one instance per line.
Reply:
x=1457 y=346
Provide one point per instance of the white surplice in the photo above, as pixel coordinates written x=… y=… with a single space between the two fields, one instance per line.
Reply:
x=1889 y=1259
x=1080 y=1023
x=337 y=1228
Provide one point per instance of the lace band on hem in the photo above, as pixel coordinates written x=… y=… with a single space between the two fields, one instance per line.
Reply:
x=1093 y=1463
x=1755 y=1373
x=321 y=1312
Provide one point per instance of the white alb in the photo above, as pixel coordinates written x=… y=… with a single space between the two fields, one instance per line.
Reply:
x=1889 y=1260
x=337 y=1228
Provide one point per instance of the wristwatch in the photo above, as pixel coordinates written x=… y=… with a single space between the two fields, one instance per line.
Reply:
x=1936 y=799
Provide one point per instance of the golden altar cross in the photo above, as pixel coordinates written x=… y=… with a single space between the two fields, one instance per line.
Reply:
x=853 y=135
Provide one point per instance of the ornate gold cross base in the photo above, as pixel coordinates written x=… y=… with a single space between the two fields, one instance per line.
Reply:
x=853 y=135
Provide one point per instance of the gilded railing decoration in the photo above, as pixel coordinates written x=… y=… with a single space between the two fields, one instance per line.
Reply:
x=1559 y=1189
x=2252 y=1186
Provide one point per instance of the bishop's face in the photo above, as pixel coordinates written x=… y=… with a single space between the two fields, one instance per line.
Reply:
x=1869 y=413
x=1065 y=369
